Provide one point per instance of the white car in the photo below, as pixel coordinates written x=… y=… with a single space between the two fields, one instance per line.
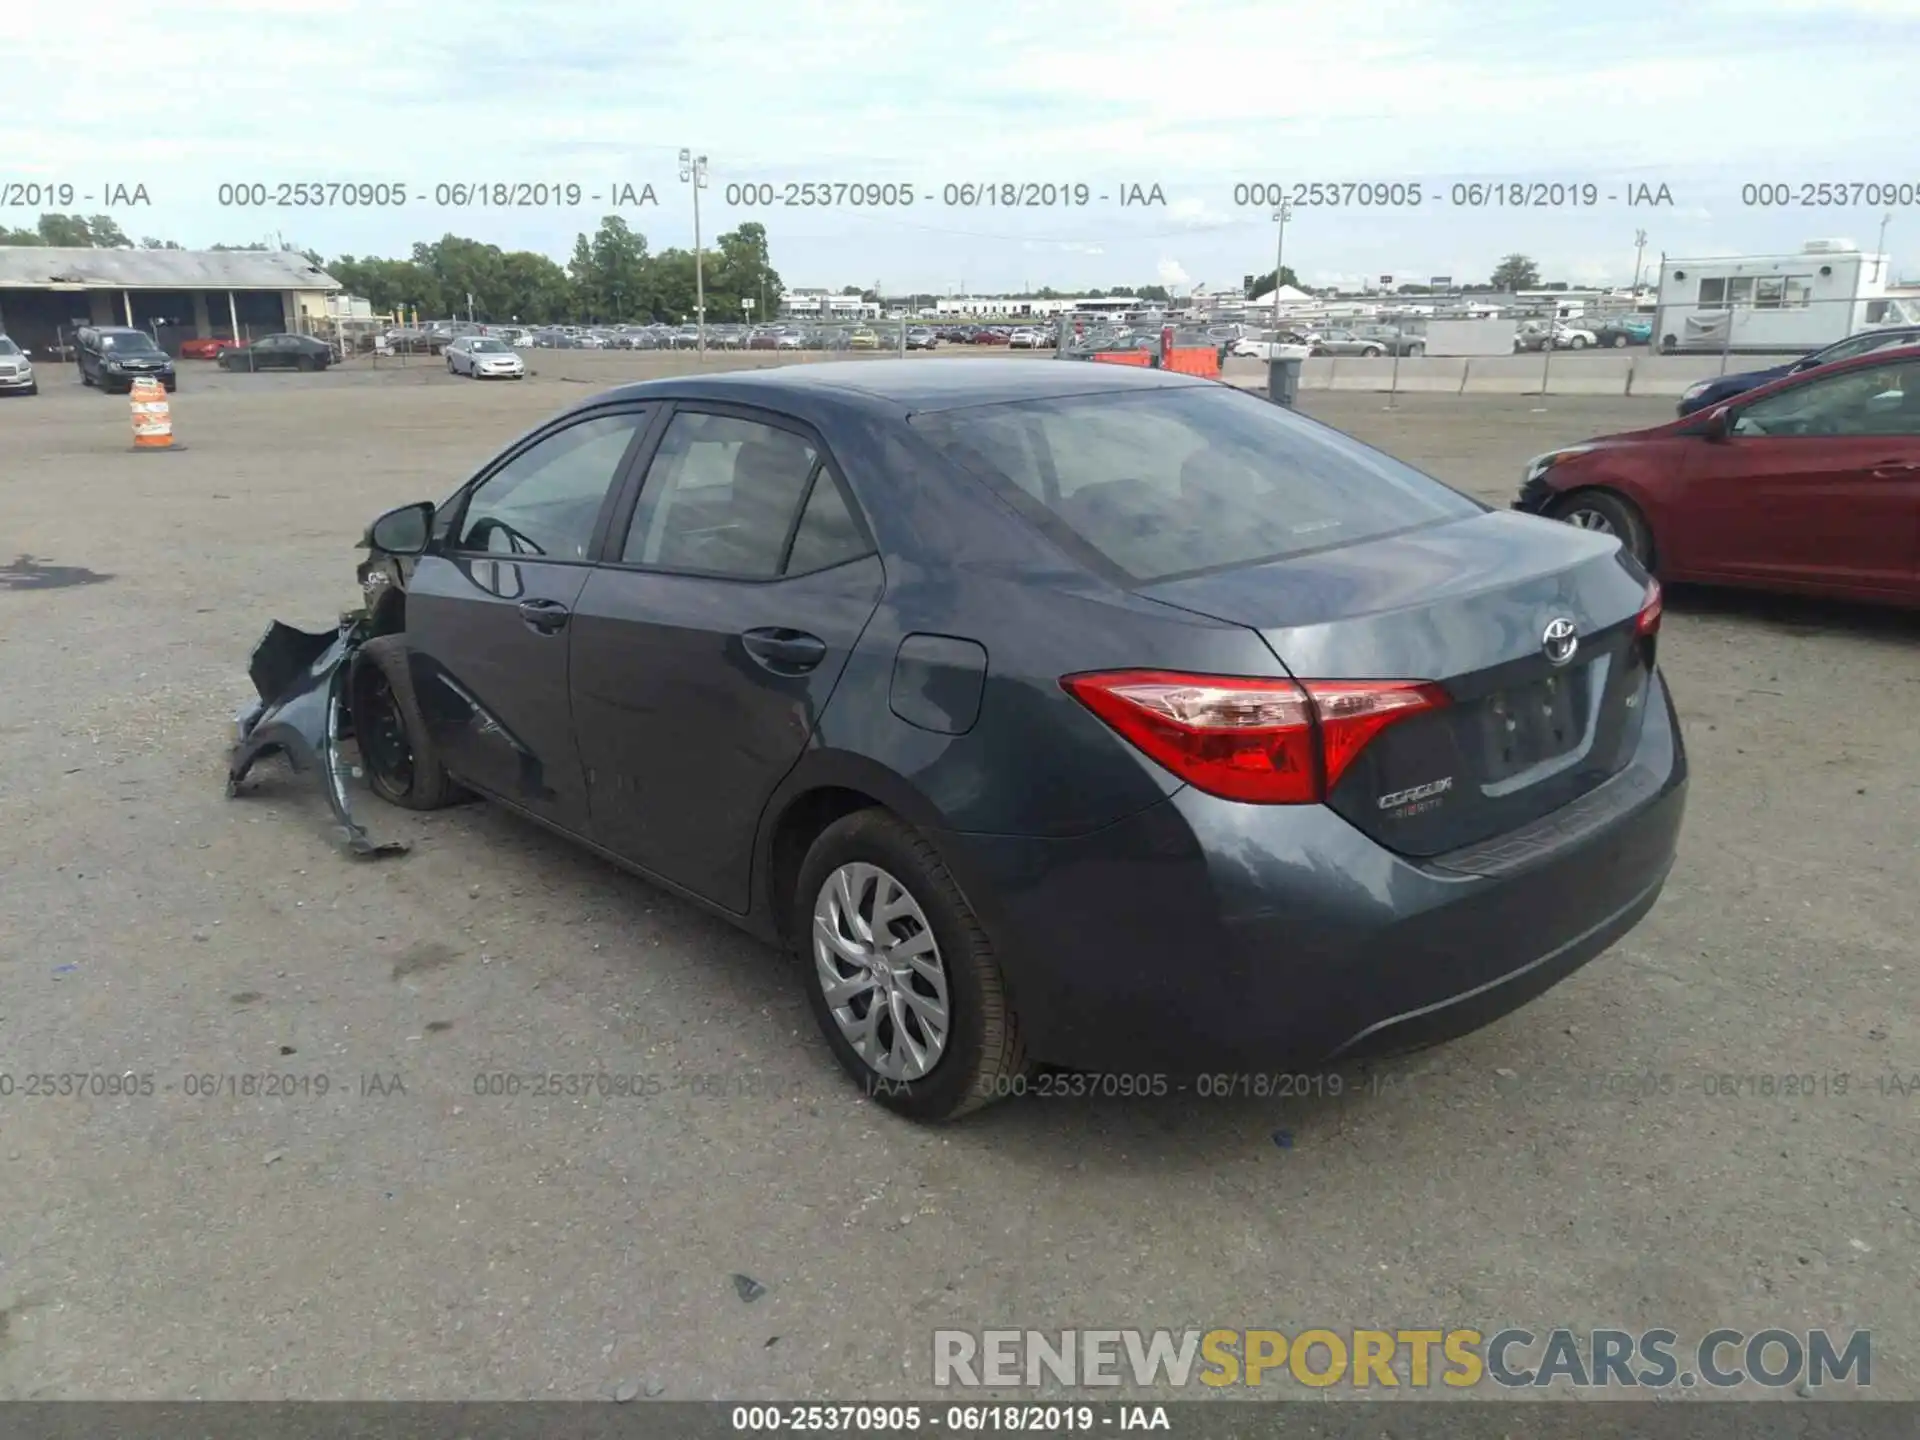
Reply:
x=483 y=357
x=1562 y=337
x=16 y=369
x=1024 y=339
x=1268 y=346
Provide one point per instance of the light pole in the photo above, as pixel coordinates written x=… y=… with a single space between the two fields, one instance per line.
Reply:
x=693 y=171
x=1279 y=254
x=1639 y=249
x=1880 y=245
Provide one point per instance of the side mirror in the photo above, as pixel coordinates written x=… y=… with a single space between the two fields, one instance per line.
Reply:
x=404 y=531
x=1719 y=424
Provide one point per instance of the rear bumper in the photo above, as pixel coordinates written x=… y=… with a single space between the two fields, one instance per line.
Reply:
x=1204 y=935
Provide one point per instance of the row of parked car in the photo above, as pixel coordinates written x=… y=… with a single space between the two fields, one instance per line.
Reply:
x=434 y=338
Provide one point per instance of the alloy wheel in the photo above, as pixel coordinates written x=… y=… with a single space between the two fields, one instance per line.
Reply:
x=1584 y=519
x=879 y=966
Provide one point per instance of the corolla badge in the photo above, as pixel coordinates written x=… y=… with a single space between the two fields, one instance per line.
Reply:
x=1559 y=640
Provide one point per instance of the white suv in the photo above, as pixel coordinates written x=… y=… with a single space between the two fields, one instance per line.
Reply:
x=16 y=369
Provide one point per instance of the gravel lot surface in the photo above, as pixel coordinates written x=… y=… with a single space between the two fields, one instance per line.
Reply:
x=1617 y=1153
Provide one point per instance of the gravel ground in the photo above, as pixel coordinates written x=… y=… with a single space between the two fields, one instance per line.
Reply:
x=402 y=1236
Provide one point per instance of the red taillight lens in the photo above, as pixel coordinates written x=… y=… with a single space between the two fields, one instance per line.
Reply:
x=1267 y=742
x=1647 y=622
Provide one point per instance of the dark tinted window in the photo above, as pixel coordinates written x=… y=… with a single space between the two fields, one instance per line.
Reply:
x=546 y=500
x=720 y=496
x=828 y=533
x=1167 y=482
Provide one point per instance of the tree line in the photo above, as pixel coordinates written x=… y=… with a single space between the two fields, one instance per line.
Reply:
x=612 y=275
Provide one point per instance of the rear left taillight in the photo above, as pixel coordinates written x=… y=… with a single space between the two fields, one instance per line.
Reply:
x=1647 y=622
x=1265 y=742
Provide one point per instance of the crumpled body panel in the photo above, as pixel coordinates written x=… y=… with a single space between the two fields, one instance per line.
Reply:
x=301 y=678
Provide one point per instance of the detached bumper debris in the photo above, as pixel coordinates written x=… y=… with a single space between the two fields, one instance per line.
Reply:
x=301 y=678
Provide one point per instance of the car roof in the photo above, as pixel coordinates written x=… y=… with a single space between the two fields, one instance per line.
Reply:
x=1913 y=330
x=917 y=386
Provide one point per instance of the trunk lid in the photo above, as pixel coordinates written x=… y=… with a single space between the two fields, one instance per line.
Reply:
x=1467 y=605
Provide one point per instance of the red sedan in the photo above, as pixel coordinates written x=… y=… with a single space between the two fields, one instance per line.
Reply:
x=205 y=349
x=1809 y=484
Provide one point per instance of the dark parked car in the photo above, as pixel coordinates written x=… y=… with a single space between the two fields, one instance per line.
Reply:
x=279 y=352
x=1810 y=484
x=1721 y=388
x=113 y=357
x=1112 y=720
x=1619 y=331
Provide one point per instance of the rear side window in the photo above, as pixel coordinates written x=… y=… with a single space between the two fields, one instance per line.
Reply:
x=1176 y=481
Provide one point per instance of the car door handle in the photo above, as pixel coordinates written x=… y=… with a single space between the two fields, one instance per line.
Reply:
x=783 y=651
x=546 y=616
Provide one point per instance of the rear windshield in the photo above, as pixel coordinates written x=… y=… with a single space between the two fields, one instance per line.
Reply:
x=1170 y=482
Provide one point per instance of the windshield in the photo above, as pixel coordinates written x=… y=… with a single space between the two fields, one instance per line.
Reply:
x=7 y=347
x=130 y=343
x=488 y=347
x=1171 y=482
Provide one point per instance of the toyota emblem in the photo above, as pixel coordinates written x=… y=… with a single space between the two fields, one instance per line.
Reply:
x=1559 y=640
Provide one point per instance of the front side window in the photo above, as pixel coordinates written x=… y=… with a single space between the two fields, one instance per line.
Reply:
x=546 y=500
x=720 y=497
x=1170 y=482
x=1873 y=400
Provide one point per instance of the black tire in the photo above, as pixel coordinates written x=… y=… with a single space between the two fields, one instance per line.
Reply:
x=1618 y=342
x=1578 y=342
x=1623 y=517
x=379 y=694
x=1416 y=350
x=1372 y=352
x=306 y=362
x=34 y=388
x=985 y=1057
x=169 y=386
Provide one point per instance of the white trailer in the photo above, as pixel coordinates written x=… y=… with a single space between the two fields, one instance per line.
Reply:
x=1774 y=304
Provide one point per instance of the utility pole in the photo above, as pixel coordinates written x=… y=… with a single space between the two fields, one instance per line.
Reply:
x=1639 y=249
x=1880 y=245
x=693 y=171
x=1279 y=255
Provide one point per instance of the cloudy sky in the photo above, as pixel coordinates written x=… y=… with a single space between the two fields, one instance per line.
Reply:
x=1193 y=96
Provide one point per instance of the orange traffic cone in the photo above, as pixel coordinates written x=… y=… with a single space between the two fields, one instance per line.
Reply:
x=152 y=416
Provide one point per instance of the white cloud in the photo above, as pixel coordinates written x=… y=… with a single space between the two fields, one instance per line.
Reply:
x=1173 y=275
x=1093 y=93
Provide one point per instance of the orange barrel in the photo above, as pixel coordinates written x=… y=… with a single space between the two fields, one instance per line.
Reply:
x=152 y=417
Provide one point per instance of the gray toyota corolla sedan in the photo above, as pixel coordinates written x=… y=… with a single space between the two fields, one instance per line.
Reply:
x=1081 y=716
